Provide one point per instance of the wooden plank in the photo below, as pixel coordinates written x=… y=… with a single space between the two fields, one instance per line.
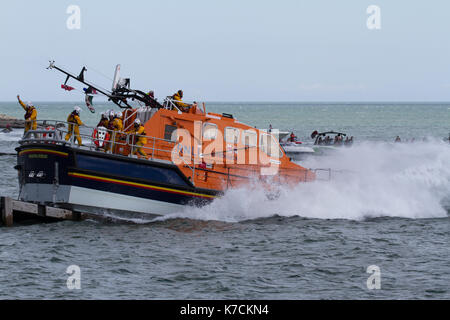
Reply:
x=59 y=213
x=7 y=211
x=25 y=207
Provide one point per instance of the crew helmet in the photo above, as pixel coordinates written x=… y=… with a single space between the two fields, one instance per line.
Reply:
x=112 y=114
x=77 y=109
x=137 y=122
x=119 y=114
x=29 y=105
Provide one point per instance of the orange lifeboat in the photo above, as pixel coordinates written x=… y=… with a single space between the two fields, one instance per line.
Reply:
x=181 y=156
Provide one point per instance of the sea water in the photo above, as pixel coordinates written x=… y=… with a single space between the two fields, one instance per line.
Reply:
x=386 y=205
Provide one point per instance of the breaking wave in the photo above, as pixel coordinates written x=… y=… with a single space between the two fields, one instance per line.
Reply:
x=14 y=135
x=372 y=179
x=8 y=141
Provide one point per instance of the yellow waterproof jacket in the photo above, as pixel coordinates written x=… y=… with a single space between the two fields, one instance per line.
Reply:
x=141 y=132
x=74 y=122
x=30 y=115
x=179 y=102
x=118 y=124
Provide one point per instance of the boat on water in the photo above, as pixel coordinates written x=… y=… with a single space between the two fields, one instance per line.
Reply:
x=193 y=157
x=330 y=141
x=293 y=148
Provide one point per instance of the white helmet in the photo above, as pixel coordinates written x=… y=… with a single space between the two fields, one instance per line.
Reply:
x=137 y=122
x=118 y=114
x=77 y=109
x=29 y=105
x=112 y=113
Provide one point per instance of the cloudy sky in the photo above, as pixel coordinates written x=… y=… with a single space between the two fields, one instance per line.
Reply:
x=233 y=50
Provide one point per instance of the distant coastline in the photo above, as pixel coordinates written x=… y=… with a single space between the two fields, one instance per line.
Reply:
x=6 y=120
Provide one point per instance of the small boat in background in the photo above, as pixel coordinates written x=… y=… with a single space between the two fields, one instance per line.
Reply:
x=293 y=148
x=330 y=141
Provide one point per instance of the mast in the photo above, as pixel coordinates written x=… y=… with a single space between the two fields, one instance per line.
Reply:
x=121 y=90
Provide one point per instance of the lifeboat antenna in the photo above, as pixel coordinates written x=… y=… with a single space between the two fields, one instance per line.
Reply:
x=120 y=92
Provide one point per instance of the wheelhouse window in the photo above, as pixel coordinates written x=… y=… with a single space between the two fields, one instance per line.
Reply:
x=209 y=131
x=249 y=138
x=232 y=135
x=270 y=146
x=168 y=131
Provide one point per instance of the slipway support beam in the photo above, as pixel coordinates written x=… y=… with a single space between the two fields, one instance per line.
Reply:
x=10 y=208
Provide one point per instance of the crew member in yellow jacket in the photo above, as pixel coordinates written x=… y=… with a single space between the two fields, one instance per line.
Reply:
x=140 y=140
x=178 y=97
x=74 y=124
x=117 y=126
x=30 y=115
x=103 y=121
x=117 y=122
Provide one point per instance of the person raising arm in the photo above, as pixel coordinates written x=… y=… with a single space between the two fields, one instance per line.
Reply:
x=30 y=115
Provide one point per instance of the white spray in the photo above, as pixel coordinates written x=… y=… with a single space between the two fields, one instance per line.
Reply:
x=410 y=180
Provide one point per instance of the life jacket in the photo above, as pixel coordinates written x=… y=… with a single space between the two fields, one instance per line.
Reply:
x=103 y=123
x=29 y=112
x=111 y=125
x=71 y=118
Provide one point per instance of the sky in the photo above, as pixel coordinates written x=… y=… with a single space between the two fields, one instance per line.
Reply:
x=234 y=50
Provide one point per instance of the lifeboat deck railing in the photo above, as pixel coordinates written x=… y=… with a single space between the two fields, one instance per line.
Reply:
x=170 y=104
x=120 y=143
x=123 y=144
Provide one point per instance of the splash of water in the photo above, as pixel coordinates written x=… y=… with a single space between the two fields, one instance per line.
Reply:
x=15 y=135
x=373 y=180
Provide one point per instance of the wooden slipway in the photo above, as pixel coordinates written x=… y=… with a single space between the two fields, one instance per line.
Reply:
x=12 y=209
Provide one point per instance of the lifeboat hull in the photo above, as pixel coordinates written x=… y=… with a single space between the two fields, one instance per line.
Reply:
x=93 y=182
